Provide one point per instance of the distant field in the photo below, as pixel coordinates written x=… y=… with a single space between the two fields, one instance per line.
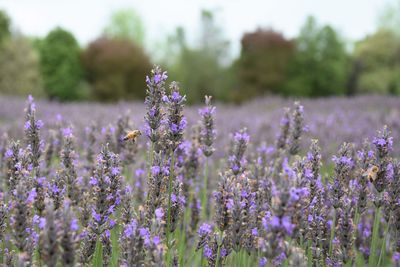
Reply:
x=331 y=120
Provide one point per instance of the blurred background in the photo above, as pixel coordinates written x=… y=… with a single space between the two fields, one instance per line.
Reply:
x=234 y=50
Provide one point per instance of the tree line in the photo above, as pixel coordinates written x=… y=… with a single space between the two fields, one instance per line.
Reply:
x=318 y=62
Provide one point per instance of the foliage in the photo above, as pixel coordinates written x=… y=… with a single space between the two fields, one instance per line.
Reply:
x=60 y=65
x=389 y=18
x=115 y=69
x=126 y=24
x=19 y=68
x=320 y=65
x=5 y=22
x=379 y=55
x=200 y=69
x=263 y=62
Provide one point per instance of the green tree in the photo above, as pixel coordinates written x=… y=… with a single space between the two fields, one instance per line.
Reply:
x=320 y=65
x=263 y=62
x=60 y=65
x=115 y=69
x=5 y=22
x=126 y=24
x=201 y=69
x=389 y=18
x=19 y=68
x=379 y=56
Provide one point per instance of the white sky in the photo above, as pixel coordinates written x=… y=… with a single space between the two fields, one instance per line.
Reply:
x=86 y=18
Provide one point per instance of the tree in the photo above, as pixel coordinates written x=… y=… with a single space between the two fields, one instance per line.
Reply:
x=126 y=24
x=389 y=18
x=200 y=69
x=60 y=65
x=379 y=56
x=5 y=31
x=320 y=65
x=115 y=69
x=19 y=68
x=263 y=62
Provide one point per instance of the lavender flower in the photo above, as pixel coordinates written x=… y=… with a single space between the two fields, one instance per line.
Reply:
x=236 y=160
x=295 y=135
x=208 y=132
x=155 y=93
x=32 y=128
x=49 y=247
x=176 y=120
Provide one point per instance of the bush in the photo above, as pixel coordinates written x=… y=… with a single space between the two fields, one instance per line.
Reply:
x=115 y=69
x=19 y=68
x=320 y=65
x=60 y=65
x=379 y=55
x=262 y=66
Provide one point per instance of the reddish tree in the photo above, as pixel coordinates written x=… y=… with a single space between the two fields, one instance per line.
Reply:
x=115 y=69
x=263 y=62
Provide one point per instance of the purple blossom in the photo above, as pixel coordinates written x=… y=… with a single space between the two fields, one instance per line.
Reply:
x=207 y=252
x=67 y=132
x=54 y=189
x=159 y=77
x=156 y=240
x=176 y=96
x=287 y=224
x=174 y=199
x=224 y=252
x=165 y=99
x=254 y=232
x=130 y=228
x=207 y=111
x=155 y=170
x=396 y=257
x=159 y=214
x=96 y=216
x=115 y=171
x=262 y=262
x=230 y=204
x=27 y=125
x=242 y=137
x=139 y=172
x=42 y=223
x=39 y=124
x=93 y=181
x=204 y=230
x=343 y=160
x=31 y=196
x=74 y=225
x=41 y=180
x=8 y=154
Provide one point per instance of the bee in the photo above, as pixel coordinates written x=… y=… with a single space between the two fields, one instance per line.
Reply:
x=372 y=173
x=132 y=135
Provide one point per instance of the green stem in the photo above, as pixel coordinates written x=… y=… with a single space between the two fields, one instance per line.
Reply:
x=309 y=254
x=383 y=249
x=151 y=161
x=204 y=195
x=169 y=244
x=374 y=241
x=332 y=232
x=186 y=221
x=98 y=254
x=202 y=258
x=219 y=248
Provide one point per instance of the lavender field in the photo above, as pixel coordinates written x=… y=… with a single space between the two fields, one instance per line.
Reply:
x=272 y=182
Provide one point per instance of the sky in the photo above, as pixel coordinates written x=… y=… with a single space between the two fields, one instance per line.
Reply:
x=87 y=18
